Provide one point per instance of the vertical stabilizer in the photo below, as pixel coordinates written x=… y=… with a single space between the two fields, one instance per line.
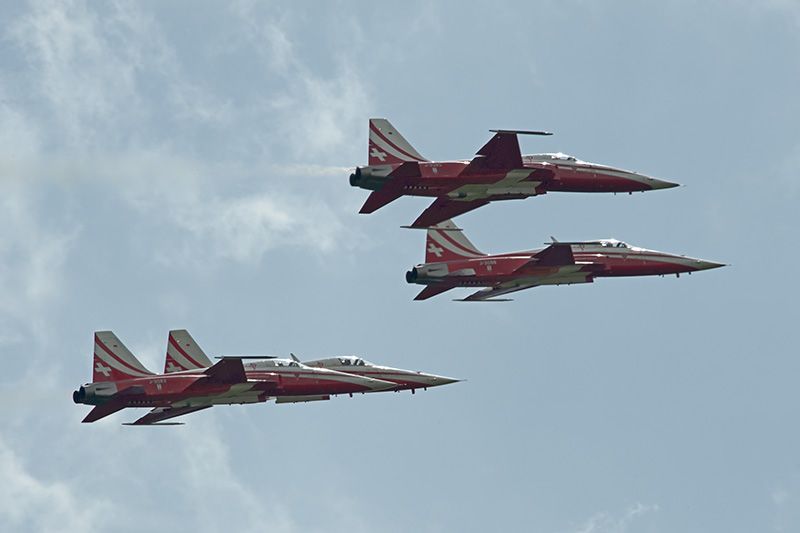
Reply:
x=183 y=353
x=113 y=361
x=387 y=146
x=446 y=242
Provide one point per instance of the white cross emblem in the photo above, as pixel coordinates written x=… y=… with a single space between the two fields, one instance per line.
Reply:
x=106 y=371
x=435 y=250
x=172 y=367
x=377 y=153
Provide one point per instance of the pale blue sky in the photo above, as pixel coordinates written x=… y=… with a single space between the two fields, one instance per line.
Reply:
x=185 y=165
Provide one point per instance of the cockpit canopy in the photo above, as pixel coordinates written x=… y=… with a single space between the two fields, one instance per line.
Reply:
x=614 y=243
x=550 y=158
x=352 y=360
x=281 y=362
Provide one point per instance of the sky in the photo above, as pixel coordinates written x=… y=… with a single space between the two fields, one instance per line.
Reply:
x=171 y=165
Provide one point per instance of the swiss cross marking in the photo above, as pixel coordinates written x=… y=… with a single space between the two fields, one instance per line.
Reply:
x=378 y=154
x=172 y=367
x=106 y=371
x=435 y=250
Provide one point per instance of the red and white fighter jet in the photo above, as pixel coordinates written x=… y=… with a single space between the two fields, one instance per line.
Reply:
x=184 y=354
x=451 y=261
x=120 y=380
x=499 y=172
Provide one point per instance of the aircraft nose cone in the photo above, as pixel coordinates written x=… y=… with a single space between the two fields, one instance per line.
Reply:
x=441 y=380
x=656 y=183
x=431 y=380
x=707 y=265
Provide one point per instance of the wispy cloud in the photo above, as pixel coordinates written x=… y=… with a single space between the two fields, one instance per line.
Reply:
x=32 y=255
x=29 y=503
x=95 y=70
x=605 y=522
x=317 y=113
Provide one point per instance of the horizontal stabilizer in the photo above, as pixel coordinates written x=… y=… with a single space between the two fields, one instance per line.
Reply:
x=378 y=199
x=102 y=411
x=432 y=290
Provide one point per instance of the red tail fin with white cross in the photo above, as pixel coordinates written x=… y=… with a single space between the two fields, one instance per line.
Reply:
x=387 y=146
x=446 y=242
x=113 y=361
x=183 y=353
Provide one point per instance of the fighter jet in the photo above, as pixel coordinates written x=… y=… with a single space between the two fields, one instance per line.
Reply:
x=120 y=380
x=451 y=261
x=403 y=379
x=184 y=354
x=499 y=172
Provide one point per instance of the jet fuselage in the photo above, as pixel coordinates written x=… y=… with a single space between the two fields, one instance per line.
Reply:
x=403 y=379
x=581 y=264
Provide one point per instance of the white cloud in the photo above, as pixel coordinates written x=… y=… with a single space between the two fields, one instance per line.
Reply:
x=87 y=83
x=108 y=74
x=28 y=503
x=318 y=114
x=607 y=523
x=226 y=212
x=32 y=257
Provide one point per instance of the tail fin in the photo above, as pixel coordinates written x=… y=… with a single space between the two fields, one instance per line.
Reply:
x=446 y=242
x=113 y=361
x=387 y=146
x=183 y=353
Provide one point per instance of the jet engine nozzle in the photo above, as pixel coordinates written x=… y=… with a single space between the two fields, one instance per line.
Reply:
x=428 y=272
x=79 y=395
x=94 y=393
x=372 y=178
x=355 y=178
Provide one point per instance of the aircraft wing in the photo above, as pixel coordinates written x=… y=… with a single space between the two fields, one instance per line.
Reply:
x=165 y=413
x=580 y=273
x=227 y=371
x=555 y=255
x=500 y=154
x=444 y=208
x=499 y=290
